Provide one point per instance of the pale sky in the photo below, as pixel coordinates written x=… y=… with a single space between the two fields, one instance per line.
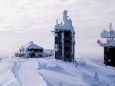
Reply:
x=22 y=21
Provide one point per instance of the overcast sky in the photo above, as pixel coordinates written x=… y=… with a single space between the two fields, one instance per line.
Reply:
x=22 y=21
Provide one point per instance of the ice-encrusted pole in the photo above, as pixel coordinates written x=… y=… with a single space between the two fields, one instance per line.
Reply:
x=62 y=45
x=110 y=26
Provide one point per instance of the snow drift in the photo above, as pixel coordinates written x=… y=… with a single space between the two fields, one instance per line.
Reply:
x=51 y=72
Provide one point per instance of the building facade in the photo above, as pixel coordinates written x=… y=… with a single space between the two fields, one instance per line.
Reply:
x=64 y=39
x=109 y=46
x=30 y=50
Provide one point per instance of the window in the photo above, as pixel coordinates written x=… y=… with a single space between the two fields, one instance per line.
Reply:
x=41 y=50
x=35 y=50
x=56 y=29
x=40 y=55
x=67 y=48
x=29 y=49
x=67 y=33
x=67 y=56
x=67 y=41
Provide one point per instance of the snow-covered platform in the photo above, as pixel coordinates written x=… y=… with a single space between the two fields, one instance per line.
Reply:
x=109 y=35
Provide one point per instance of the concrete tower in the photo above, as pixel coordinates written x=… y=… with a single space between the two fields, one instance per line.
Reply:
x=109 y=46
x=64 y=39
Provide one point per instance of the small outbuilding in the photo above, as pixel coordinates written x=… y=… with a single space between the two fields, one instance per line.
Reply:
x=30 y=50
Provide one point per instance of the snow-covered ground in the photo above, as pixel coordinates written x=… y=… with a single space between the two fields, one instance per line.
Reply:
x=50 y=72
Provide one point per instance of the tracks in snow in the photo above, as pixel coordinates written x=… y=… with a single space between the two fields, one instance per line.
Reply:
x=15 y=69
x=27 y=74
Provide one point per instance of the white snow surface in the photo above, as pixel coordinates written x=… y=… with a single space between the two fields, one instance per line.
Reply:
x=50 y=72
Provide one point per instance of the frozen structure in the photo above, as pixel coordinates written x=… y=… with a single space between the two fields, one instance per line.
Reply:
x=30 y=50
x=109 y=46
x=64 y=39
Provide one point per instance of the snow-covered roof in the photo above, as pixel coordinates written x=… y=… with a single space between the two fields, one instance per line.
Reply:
x=31 y=45
x=109 y=35
x=111 y=43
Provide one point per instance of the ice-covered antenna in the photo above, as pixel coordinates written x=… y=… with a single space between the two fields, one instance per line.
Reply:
x=61 y=23
x=65 y=15
x=110 y=26
x=56 y=22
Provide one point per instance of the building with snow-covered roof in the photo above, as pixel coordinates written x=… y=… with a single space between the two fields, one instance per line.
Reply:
x=109 y=46
x=64 y=39
x=30 y=50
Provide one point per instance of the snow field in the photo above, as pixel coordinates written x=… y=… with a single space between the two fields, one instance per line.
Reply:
x=86 y=73
x=51 y=72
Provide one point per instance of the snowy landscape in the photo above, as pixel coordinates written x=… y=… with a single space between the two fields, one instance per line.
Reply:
x=50 y=72
x=57 y=43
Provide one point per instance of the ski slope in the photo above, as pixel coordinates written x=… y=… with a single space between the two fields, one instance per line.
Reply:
x=50 y=72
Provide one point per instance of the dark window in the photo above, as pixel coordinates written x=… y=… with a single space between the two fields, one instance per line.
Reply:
x=41 y=50
x=67 y=56
x=35 y=50
x=40 y=55
x=29 y=49
x=67 y=41
x=67 y=33
x=56 y=29
x=67 y=48
x=32 y=54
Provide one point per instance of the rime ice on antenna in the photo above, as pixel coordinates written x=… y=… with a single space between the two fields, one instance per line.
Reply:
x=109 y=35
x=109 y=46
x=64 y=39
